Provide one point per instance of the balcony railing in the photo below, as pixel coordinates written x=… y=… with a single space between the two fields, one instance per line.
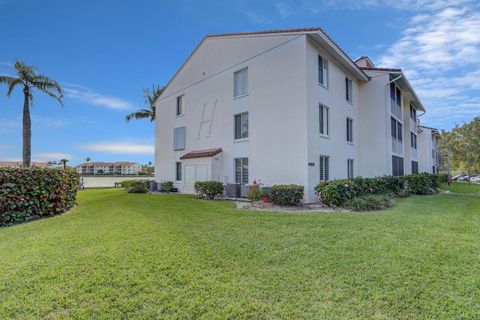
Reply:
x=414 y=154
x=397 y=146
x=396 y=109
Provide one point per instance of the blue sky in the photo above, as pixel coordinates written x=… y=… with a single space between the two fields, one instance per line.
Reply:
x=104 y=52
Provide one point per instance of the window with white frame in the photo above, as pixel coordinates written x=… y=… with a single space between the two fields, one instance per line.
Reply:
x=324 y=168
x=349 y=130
x=413 y=140
x=324 y=115
x=241 y=170
x=395 y=94
x=178 y=171
x=350 y=168
x=397 y=166
x=322 y=71
x=396 y=129
x=348 y=90
x=241 y=125
x=414 y=167
x=413 y=113
x=180 y=105
x=240 y=83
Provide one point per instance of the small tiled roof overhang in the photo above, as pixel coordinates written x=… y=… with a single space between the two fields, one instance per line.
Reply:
x=201 y=153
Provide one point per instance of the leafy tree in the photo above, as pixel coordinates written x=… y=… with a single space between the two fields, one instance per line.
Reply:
x=150 y=98
x=28 y=78
x=459 y=138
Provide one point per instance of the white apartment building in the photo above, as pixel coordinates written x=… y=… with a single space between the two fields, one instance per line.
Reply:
x=109 y=168
x=281 y=107
x=430 y=155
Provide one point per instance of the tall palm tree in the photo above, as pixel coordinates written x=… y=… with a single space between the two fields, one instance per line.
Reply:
x=64 y=162
x=28 y=78
x=149 y=98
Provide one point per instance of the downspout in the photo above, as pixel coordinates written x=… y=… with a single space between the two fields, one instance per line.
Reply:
x=388 y=134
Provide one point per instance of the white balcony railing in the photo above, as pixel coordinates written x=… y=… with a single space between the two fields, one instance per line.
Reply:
x=397 y=146
x=413 y=125
x=414 y=154
x=396 y=109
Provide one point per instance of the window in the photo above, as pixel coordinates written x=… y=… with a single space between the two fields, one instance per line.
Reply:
x=413 y=140
x=241 y=125
x=413 y=113
x=241 y=170
x=324 y=168
x=349 y=130
x=240 y=83
x=348 y=90
x=322 y=71
x=324 y=119
x=396 y=129
x=178 y=171
x=397 y=166
x=414 y=167
x=179 y=138
x=179 y=105
x=350 y=168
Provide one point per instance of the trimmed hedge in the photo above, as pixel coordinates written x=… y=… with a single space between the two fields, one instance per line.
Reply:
x=28 y=194
x=127 y=184
x=208 y=189
x=167 y=186
x=138 y=186
x=286 y=195
x=337 y=192
x=369 y=202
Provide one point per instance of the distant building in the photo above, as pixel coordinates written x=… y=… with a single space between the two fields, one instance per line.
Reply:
x=109 y=168
x=18 y=164
x=429 y=157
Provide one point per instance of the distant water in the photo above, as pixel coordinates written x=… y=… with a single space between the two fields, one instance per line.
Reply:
x=109 y=182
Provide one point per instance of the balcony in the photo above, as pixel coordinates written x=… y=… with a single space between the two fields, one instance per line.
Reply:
x=396 y=109
x=414 y=154
x=397 y=146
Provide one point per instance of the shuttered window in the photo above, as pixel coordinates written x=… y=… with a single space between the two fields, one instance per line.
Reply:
x=178 y=171
x=348 y=90
x=349 y=130
x=350 y=168
x=241 y=170
x=179 y=138
x=324 y=168
x=240 y=83
x=322 y=71
x=397 y=166
x=324 y=115
x=241 y=125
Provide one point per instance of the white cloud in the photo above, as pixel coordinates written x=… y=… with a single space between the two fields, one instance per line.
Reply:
x=43 y=122
x=258 y=18
x=121 y=147
x=78 y=92
x=439 y=51
x=50 y=156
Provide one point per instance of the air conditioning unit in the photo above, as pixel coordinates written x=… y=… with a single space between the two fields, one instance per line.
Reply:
x=232 y=190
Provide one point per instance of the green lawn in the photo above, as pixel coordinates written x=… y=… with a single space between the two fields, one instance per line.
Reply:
x=122 y=255
x=462 y=187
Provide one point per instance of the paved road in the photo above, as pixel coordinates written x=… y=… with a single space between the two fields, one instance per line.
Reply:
x=109 y=182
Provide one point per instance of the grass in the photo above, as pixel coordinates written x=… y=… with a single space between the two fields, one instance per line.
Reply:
x=462 y=187
x=121 y=256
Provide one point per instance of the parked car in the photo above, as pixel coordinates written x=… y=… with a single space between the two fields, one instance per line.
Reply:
x=475 y=178
x=455 y=177
x=463 y=178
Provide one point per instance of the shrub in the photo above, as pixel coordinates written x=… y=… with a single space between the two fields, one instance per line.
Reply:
x=369 y=202
x=255 y=193
x=28 y=194
x=167 y=185
x=208 y=189
x=138 y=187
x=127 y=184
x=286 y=195
x=420 y=183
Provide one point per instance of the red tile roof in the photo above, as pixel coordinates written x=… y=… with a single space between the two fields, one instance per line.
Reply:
x=19 y=164
x=103 y=164
x=381 y=69
x=201 y=153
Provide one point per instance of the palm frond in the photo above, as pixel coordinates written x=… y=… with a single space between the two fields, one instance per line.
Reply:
x=48 y=86
x=11 y=82
x=140 y=114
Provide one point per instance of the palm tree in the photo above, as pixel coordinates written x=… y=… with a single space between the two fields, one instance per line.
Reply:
x=28 y=78
x=150 y=98
x=64 y=162
x=87 y=160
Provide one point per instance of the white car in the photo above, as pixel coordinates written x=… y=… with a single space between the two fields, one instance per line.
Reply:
x=475 y=179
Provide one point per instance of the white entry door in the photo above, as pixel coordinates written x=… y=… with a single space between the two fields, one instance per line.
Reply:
x=194 y=172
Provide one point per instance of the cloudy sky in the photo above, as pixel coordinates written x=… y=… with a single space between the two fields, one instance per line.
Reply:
x=104 y=52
